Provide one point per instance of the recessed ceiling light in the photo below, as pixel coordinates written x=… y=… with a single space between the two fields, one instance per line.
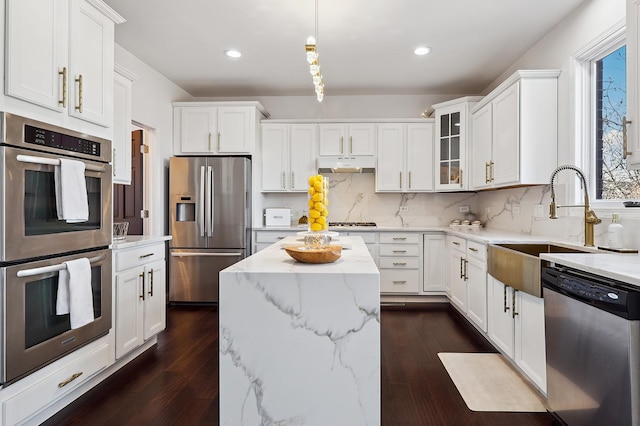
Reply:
x=232 y=53
x=422 y=50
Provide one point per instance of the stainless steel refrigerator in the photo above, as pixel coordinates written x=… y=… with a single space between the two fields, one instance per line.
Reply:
x=210 y=203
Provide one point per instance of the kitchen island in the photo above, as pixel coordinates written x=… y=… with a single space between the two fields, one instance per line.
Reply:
x=300 y=343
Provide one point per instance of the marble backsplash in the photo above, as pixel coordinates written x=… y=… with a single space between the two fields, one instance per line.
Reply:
x=353 y=198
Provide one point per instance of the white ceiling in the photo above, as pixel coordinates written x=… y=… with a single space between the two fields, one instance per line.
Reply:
x=365 y=47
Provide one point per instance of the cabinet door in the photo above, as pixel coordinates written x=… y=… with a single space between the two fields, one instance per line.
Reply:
x=90 y=81
x=122 y=130
x=302 y=150
x=235 y=132
x=530 y=353
x=391 y=155
x=458 y=283
x=129 y=306
x=434 y=263
x=419 y=164
x=450 y=159
x=36 y=59
x=500 y=321
x=481 y=155
x=332 y=139
x=506 y=137
x=274 y=157
x=477 y=292
x=154 y=299
x=362 y=138
x=633 y=83
x=198 y=130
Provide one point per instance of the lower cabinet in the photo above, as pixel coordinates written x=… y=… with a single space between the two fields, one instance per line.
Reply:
x=516 y=328
x=434 y=271
x=263 y=239
x=400 y=257
x=140 y=295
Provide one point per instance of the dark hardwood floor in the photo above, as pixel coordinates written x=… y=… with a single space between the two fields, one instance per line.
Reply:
x=176 y=383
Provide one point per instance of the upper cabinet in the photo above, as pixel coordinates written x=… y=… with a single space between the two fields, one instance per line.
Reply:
x=121 y=143
x=211 y=128
x=70 y=59
x=347 y=139
x=288 y=156
x=633 y=85
x=515 y=132
x=405 y=157
x=452 y=127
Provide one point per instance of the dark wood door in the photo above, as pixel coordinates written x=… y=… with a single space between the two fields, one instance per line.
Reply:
x=127 y=199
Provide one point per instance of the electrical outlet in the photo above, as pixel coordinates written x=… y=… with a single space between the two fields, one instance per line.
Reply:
x=538 y=211
x=404 y=208
x=463 y=209
x=516 y=209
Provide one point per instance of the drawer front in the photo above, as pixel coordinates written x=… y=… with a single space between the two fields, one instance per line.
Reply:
x=399 y=263
x=399 y=281
x=399 y=238
x=477 y=250
x=32 y=399
x=130 y=258
x=399 y=250
x=367 y=237
x=457 y=243
x=272 y=237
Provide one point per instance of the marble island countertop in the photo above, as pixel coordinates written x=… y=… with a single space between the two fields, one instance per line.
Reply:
x=300 y=343
x=622 y=267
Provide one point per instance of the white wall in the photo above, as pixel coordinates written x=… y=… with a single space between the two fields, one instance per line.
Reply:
x=152 y=97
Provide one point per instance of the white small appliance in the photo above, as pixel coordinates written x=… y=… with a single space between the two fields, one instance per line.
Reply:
x=277 y=217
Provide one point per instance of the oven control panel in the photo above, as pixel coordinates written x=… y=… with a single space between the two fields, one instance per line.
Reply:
x=44 y=137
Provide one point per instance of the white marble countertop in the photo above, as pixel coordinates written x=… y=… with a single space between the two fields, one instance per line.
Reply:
x=622 y=267
x=139 y=240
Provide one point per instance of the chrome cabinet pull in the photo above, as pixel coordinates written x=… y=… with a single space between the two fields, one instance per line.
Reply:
x=466 y=270
x=400 y=282
x=151 y=283
x=350 y=144
x=625 y=150
x=461 y=273
x=219 y=139
x=486 y=172
x=506 y=308
x=209 y=141
x=399 y=251
x=284 y=181
x=460 y=177
x=400 y=180
x=399 y=238
x=281 y=237
x=142 y=293
x=69 y=380
x=491 y=176
x=399 y=263
x=114 y=161
x=63 y=73
x=293 y=180
x=513 y=303
x=409 y=180
x=79 y=106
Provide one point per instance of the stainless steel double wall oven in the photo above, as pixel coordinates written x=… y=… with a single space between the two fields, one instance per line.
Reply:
x=34 y=244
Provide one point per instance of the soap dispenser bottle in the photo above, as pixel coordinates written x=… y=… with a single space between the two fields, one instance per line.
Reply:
x=615 y=232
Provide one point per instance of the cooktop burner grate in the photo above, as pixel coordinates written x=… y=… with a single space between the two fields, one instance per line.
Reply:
x=352 y=224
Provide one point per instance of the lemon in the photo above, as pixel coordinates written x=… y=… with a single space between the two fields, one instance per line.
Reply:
x=312 y=179
x=317 y=197
x=324 y=212
x=321 y=220
x=316 y=227
x=318 y=177
x=314 y=213
x=311 y=190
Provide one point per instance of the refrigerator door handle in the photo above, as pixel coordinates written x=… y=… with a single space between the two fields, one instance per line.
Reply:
x=211 y=192
x=206 y=254
x=202 y=208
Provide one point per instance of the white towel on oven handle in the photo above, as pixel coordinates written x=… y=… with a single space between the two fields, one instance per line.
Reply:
x=75 y=296
x=71 y=191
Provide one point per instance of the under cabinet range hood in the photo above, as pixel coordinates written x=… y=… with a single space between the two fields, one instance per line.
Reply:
x=346 y=164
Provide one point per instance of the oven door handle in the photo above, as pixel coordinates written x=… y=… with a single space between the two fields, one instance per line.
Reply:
x=53 y=162
x=52 y=268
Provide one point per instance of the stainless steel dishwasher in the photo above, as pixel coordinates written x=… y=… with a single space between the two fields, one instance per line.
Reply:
x=592 y=333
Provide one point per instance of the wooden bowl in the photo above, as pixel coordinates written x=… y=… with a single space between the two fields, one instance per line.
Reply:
x=307 y=254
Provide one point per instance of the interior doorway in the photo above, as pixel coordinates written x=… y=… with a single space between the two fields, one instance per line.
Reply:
x=128 y=200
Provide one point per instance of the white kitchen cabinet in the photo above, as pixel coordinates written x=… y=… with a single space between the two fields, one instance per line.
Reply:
x=633 y=83
x=457 y=285
x=288 y=156
x=405 y=157
x=452 y=134
x=476 y=275
x=434 y=261
x=516 y=328
x=400 y=256
x=263 y=239
x=140 y=295
x=347 y=139
x=371 y=241
x=69 y=65
x=121 y=143
x=515 y=132
x=211 y=128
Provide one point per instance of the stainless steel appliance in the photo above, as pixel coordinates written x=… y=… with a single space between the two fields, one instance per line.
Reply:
x=592 y=338
x=34 y=244
x=210 y=203
x=32 y=334
x=29 y=151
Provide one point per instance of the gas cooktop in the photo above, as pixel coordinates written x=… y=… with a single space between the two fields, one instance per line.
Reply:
x=351 y=224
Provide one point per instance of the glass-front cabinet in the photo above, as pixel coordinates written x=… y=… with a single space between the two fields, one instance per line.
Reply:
x=451 y=143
